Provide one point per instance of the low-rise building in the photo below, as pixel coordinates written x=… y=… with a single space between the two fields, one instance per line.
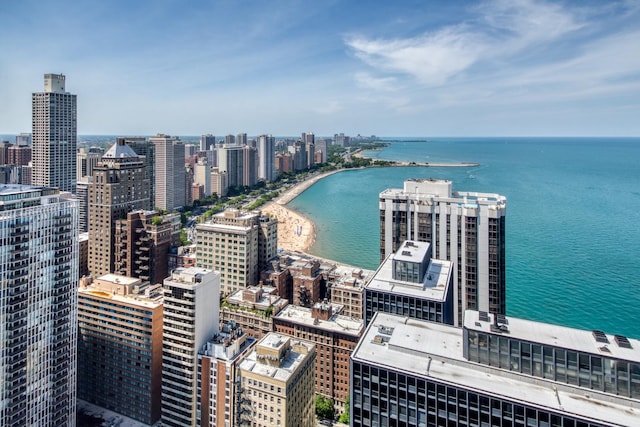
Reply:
x=252 y=309
x=277 y=383
x=335 y=337
x=346 y=287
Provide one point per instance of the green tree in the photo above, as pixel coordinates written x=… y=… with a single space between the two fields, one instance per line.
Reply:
x=344 y=417
x=324 y=407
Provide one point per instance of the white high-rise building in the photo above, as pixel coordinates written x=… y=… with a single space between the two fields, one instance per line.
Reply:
x=191 y=318
x=266 y=158
x=38 y=306
x=54 y=124
x=467 y=228
x=169 y=172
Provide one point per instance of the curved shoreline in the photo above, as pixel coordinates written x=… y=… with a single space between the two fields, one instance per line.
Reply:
x=296 y=232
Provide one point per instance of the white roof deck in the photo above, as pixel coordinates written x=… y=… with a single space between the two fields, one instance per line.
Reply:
x=432 y=350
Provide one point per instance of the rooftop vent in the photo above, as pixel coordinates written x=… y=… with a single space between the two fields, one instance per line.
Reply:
x=483 y=316
x=380 y=340
x=622 y=341
x=385 y=330
x=406 y=253
x=502 y=319
x=600 y=337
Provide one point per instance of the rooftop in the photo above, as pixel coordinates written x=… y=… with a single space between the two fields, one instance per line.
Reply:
x=287 y=367
x=434 y=285
x=120 y=150
x=557 y=336
x=336 y=323
x=433 y=350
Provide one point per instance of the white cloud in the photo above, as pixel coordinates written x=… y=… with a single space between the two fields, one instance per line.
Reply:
x=432 y=58
x=367 y=81
x=502 y=29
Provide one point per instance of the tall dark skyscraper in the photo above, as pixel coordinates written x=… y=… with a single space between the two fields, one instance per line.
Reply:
x=54 y=122
x=467 y=228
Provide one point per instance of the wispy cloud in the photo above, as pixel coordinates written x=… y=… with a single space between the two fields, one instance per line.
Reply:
x=501 y=29
x=367 y=81
x=431 y=58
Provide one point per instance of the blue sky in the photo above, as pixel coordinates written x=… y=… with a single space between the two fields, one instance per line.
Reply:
x=401 y=68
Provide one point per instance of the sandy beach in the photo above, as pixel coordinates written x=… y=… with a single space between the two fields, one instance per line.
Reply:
x=295 y=231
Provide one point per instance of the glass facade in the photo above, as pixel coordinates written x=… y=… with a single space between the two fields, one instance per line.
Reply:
x=593 y=371
x=381 y=397
x=417 y=308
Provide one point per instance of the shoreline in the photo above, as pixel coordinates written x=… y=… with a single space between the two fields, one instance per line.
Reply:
x=296 y=232
x=394 y=163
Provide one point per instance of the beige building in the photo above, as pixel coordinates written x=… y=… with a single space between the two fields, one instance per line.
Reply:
x=253 y=309
x=346 y=286
x=238 y=245
x=119 y=186
x=277 y=383
x=120 y=346
x=219 y=182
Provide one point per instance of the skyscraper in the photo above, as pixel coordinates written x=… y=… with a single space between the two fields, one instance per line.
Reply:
x=54 y=135
x=250 y=169
x=207 y=142
x=191 y=314
x=86 y=160
x=266 y=158
x=170 y=172
x=120 y=345
x=467 y=228
x=38 y=302
x=231 y=161
x=145 y=148
x=119 y=186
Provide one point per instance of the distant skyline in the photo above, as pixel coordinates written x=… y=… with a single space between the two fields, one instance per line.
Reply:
x=406 y=68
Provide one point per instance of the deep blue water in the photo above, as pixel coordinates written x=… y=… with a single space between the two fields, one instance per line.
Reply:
x=573 y=219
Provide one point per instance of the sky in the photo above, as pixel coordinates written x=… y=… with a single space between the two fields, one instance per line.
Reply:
x=389 y=68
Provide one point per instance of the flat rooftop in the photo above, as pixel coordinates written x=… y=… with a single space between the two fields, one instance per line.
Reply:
x=336 y=323
x=287 y=367
x=434 y=285
x=136 y=300
x=411 y=251
x=432 y=350
x=268 y=298
x=557 y=336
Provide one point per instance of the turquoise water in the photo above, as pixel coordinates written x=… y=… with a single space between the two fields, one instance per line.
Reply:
x=573 y=219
